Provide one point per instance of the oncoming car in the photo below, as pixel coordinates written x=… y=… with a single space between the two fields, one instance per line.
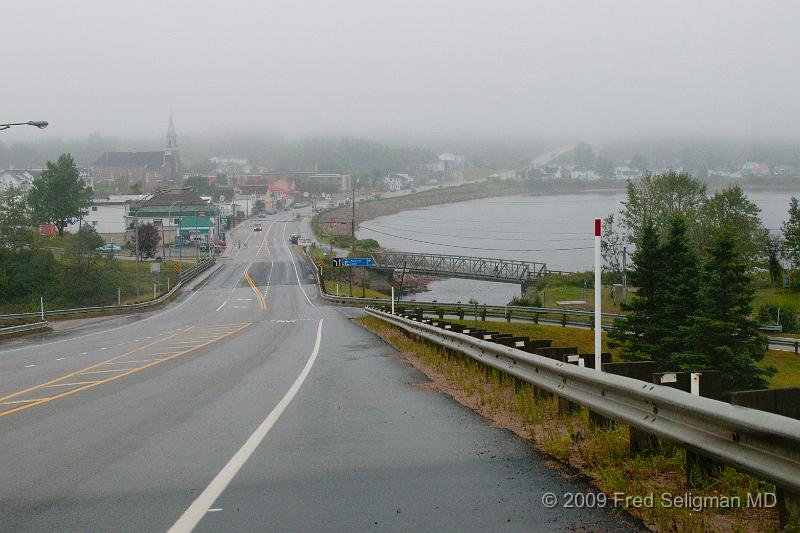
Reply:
x=257 y=227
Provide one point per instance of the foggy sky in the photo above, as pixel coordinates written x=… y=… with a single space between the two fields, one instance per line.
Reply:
x=588 y=70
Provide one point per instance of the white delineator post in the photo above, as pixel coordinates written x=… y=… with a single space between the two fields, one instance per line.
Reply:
x=392 y=299
x=598 y=359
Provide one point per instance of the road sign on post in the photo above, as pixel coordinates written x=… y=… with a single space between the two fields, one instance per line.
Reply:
x=352 y=261
x=176 y=267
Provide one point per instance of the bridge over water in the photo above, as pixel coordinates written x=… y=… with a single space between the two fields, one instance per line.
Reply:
x=524 y=273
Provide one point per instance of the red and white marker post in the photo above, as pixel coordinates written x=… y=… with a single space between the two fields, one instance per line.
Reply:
x=598 y=358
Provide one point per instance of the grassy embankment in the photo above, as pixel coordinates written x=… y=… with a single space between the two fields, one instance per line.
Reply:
x=124 y=273
x=602 y=454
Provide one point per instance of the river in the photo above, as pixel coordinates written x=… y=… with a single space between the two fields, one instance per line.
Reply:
x=553 y=229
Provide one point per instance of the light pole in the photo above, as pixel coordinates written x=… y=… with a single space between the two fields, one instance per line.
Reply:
x=41 y=124
x=169 y=217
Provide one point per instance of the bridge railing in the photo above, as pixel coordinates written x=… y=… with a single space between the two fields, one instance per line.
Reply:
x=506 y=270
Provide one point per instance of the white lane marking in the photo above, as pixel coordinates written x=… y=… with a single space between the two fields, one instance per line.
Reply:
x=60 y=358
x=104 y=348
x=121 y=344
x=192 y=516
x=244 y=299
x=223 y=304
x=216 y=509
x=291 y=256
x=29 y=366
x=83 y=353
x=148 y=337
x=32 y=346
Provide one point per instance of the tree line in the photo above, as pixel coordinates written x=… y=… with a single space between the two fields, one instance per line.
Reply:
x=28 y=269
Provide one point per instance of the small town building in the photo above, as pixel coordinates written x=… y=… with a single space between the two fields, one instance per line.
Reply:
x=183 y=217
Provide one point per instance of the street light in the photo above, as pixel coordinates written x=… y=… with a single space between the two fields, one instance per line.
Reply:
x=41 y=124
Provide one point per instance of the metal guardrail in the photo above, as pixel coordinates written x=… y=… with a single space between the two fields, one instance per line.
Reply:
x=185 y=276
x=23 y=328
x=760 y=443
x=786 y=341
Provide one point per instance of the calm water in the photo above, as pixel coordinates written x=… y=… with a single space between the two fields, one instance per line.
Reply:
x=553 y=229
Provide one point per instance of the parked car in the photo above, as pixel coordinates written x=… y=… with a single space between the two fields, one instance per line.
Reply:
x=109 y=248
x=203 y=246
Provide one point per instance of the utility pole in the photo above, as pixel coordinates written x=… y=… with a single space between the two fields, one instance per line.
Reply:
x=625 y=275
x=136 y=232
x=180 y=240
x=352 y=234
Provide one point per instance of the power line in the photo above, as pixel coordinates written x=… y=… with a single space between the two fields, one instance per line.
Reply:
x=483 y=238
x=505 y=232
x=478 y=248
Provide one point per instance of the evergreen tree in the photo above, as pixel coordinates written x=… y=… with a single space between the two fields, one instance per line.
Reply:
x=722 y=335
x=677 y=298
x=791 y=234
x=634 y=334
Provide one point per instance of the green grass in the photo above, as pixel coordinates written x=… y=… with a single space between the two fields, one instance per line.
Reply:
x=601 y=453
x=551 y=295
x=777 y=297
x=344 y=290
x=788 y=365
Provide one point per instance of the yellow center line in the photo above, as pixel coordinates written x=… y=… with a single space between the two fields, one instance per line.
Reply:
x=106 y=371
x=140 y=360
x=70 y=384
x=38 y=401
x=24 y=401
x=262 y=302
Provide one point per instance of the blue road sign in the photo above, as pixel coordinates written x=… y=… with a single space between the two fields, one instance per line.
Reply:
x=353 y=261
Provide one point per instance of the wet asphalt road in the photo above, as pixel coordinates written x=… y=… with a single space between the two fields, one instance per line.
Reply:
x=129 y=424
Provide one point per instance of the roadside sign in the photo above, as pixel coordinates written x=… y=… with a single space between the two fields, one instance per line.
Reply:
x=155 y=267
x=319 y=262
x=176 y=267
x=352 y=261
x=326 y=249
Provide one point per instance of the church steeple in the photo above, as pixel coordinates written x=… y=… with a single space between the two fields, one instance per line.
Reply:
x=172 y=137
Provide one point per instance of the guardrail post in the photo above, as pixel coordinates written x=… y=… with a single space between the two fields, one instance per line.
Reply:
x=440 y=313
x=508 y=316
x=639 y=440
x=483 y=314
x=536 y=318
x=784 y=402
x=460 y=313
x=564 y=320
x=709 y=386
x=796 y=346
